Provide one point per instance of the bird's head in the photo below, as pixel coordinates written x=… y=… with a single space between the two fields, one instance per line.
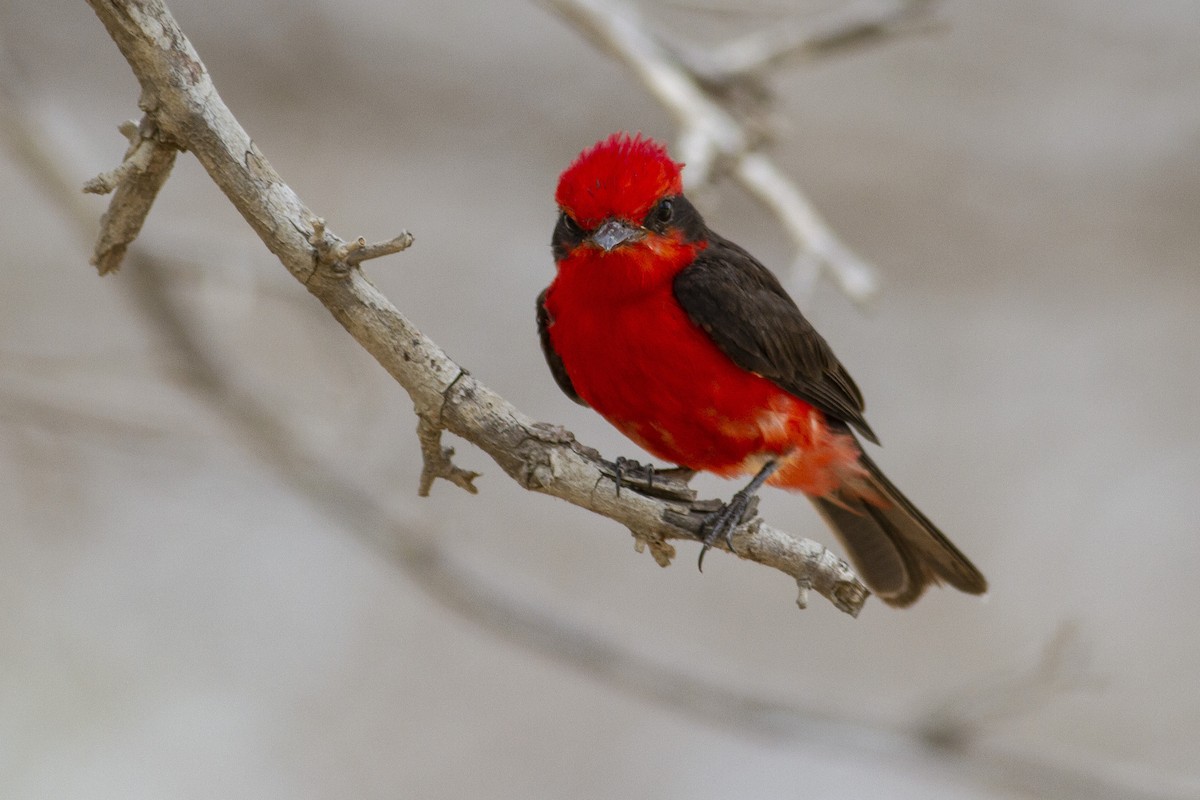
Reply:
x=623 y=192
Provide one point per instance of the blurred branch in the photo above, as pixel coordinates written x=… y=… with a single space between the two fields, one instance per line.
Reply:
x=707 y=94
x=851 y=26
x=955 y=726
x=179 y=98
x=965 y=715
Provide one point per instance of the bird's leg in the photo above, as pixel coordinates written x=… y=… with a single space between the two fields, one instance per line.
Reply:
x=724 y=521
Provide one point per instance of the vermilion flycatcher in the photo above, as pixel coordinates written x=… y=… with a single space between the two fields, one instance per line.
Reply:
x=692 y=349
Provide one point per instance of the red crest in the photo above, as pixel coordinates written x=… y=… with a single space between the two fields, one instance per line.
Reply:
x=621 y=176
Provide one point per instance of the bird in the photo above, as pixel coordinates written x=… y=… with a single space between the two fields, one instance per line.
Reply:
x=690 y=347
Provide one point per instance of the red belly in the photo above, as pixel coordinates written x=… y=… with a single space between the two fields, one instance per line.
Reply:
x=635 y=357
x=660 y=380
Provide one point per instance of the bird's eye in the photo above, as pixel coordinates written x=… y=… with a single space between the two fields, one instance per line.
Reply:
x=663 y=212
x=569 y=224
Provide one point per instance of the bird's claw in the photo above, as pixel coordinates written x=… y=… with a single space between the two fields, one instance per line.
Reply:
x=721 y=523
x=665 y=483
x=640 y=473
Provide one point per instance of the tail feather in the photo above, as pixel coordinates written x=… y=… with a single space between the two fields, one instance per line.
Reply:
x=895 y=547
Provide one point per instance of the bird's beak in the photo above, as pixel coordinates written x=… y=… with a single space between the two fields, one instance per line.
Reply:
x=613 y=232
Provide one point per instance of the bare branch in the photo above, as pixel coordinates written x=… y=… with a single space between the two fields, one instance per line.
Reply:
x=179 y=96
x=437 y=461
x=137 y=180
x=136 y=159
x=341 y=256
x=364 y=252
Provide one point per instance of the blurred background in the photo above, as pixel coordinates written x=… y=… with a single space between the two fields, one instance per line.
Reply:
x=191 y=610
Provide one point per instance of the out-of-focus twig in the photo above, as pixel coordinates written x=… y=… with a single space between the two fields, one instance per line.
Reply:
x=967 y=713
x=851 y=26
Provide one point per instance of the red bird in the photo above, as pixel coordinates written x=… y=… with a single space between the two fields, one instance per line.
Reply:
x=692 y=349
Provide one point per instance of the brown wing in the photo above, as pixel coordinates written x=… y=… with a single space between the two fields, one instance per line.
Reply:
x=552 y=358
x=742 y=306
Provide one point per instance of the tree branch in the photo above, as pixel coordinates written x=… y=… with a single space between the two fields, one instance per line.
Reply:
x=143 y=171
x=180 y=99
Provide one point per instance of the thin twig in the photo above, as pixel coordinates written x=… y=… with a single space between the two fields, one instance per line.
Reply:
x=341 y=256
x=364 y=252
x=136 y=181
x=437 y=461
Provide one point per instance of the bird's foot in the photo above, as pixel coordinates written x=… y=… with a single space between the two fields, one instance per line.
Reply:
x=670 y=483
x=635 y=471
x=725 y=520
x=721 y=523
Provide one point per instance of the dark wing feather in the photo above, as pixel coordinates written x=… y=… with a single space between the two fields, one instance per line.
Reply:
x=552 y=358
x=743 y=307
x=895 y=547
